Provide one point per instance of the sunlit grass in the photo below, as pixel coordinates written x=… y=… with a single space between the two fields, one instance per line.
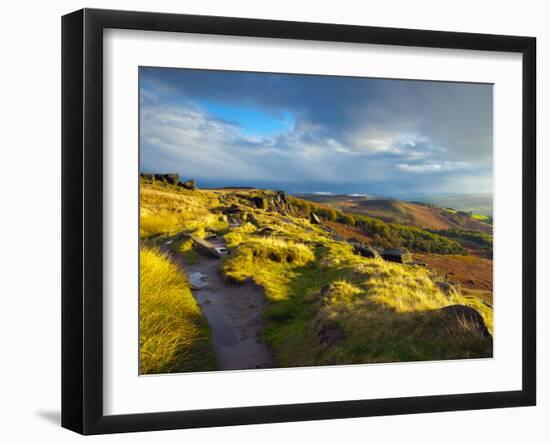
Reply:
x=167 y=210
x=173 y=335
x=386 y=311
x=383 y=311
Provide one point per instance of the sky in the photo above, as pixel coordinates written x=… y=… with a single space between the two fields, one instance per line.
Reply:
x=309 y=133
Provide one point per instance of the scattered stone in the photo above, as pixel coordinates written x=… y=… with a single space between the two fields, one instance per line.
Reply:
x=397 y=255
x=314 y=218
x=365 y=250
x=188 y=184
x=201 y=246
x=462 y=313
x=265 y=231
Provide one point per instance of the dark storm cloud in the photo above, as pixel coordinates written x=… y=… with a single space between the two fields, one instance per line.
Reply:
x=389 y=134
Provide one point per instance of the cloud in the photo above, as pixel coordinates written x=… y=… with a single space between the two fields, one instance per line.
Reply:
x=432 y=166
x=364 y=135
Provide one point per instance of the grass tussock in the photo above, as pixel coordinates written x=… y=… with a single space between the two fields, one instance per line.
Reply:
x=184 y=247
x=173 y=335
x=269 y=262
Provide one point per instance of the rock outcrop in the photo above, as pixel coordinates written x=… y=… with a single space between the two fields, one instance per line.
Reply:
x=167 y=178
x=281 y=203
x=172 y=179
x=273 y=202
x=260 y=202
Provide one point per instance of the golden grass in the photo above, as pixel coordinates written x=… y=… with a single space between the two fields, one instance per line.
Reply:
x=269 y=262
x=383 y=311
x=386 y=311
x=167 y=210
x=173 y=335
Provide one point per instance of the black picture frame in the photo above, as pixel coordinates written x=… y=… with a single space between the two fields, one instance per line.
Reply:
x=82 y=219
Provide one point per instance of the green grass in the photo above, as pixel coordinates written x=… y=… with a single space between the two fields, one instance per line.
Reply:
x=384 y=234
x=314 y=285
x=384 y=311
x=483 y=218
x=174 y=337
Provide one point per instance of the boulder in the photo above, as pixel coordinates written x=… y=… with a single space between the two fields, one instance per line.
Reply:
x=265 y=231
x=188 y=184
x=201 y=246
x=314 y=218
x=397 y=255
x=462 y=313
x=147 y=176
x=365 y=250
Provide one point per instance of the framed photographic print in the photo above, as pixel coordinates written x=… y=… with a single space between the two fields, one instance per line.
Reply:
x=269 y=221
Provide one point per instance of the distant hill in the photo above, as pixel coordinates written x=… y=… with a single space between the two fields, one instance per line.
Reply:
x=481 y=203
x=422 y=215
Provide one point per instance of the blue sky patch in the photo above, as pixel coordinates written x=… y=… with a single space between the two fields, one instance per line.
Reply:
x=251 y=120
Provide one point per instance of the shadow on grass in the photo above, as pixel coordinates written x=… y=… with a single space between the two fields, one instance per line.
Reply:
x=365 y=331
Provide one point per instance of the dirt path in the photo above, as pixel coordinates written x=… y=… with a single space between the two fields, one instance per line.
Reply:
x=233 y=312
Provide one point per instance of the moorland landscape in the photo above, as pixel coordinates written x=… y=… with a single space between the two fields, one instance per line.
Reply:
x=241 y=278
x=292 y=220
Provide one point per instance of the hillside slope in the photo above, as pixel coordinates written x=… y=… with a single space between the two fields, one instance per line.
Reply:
x=409 y=213
x=325 y=302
